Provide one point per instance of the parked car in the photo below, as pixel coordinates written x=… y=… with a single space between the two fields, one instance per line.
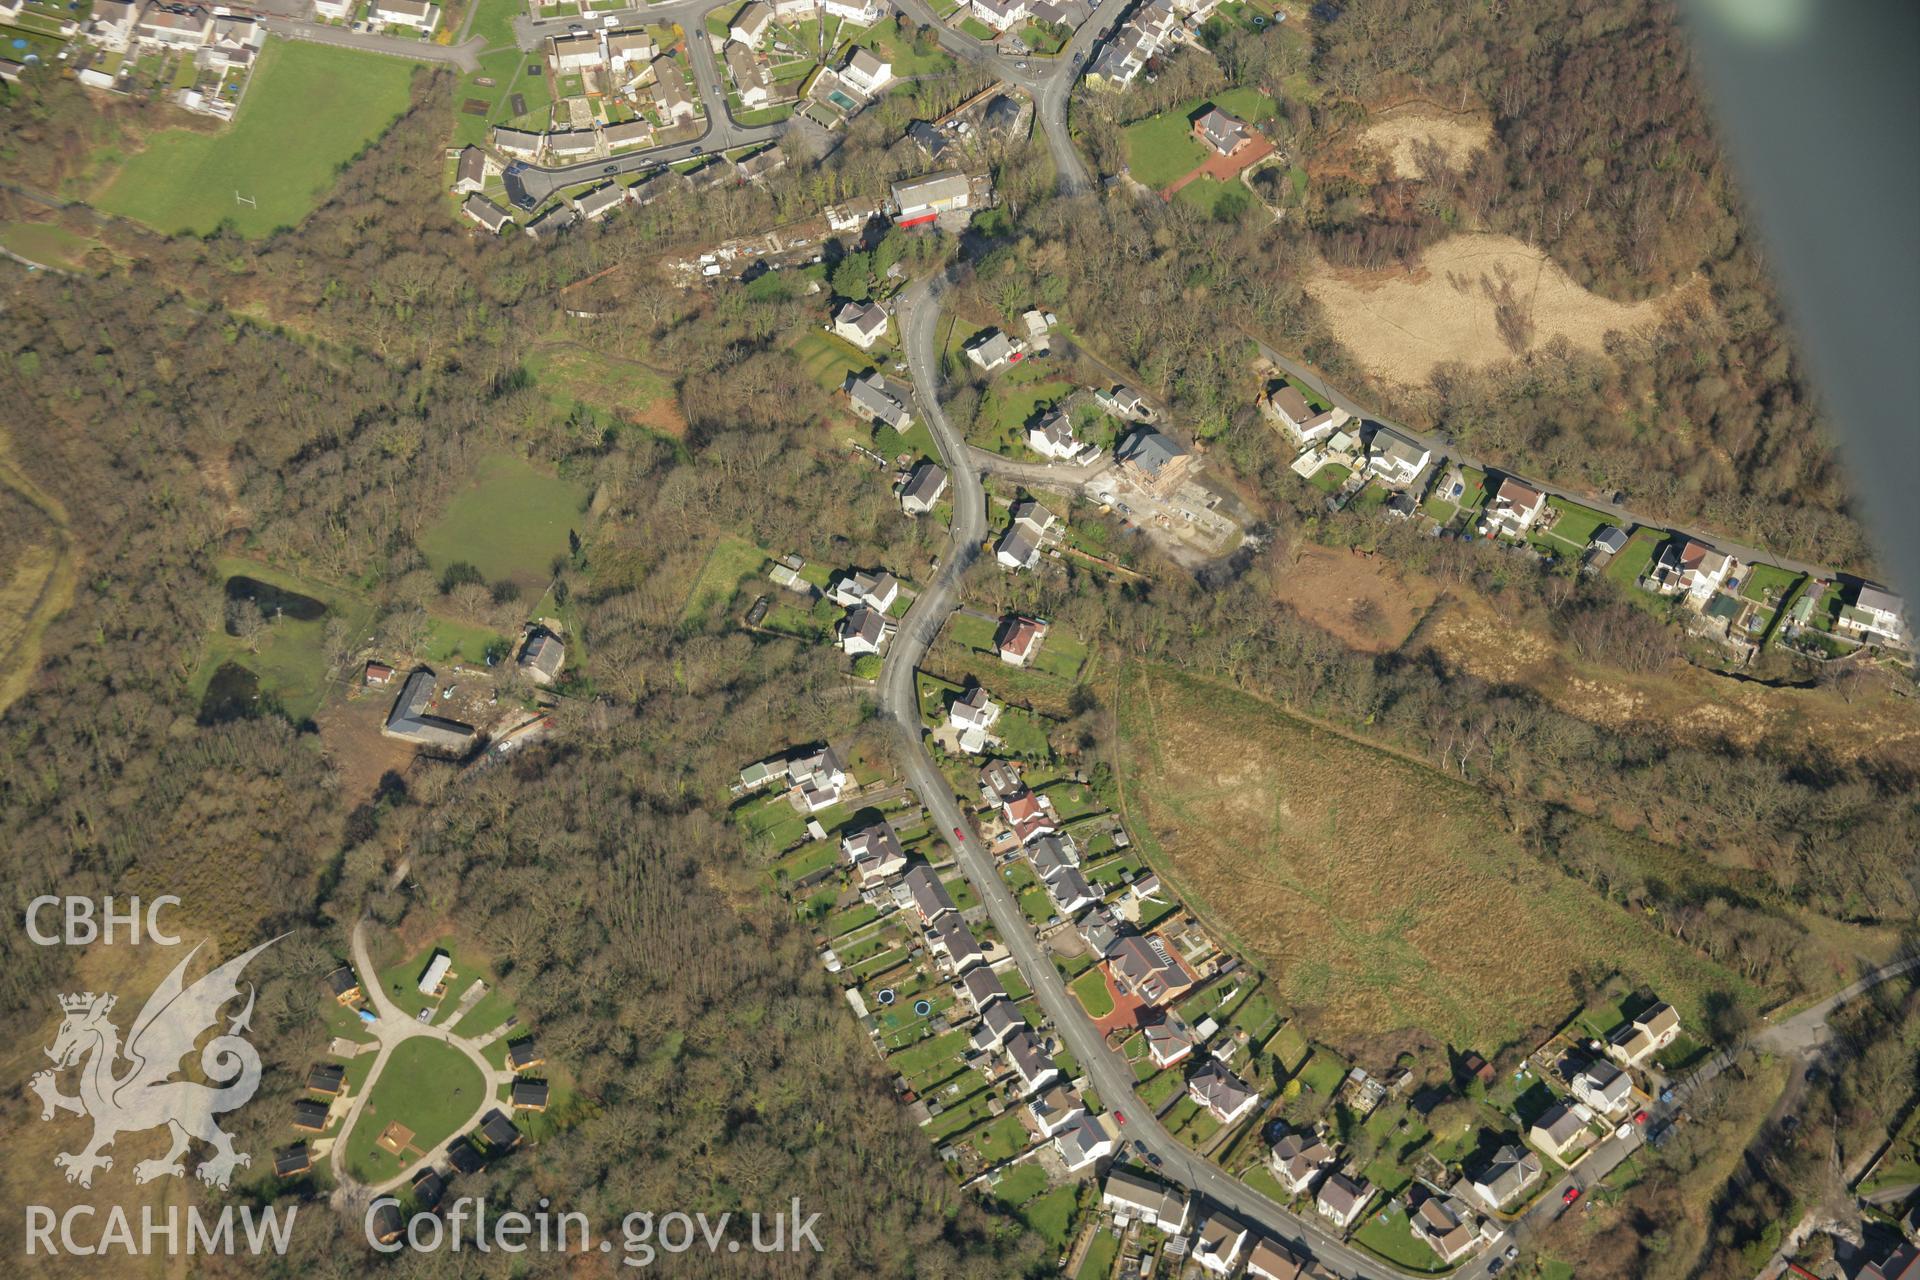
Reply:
x=1573 y=1193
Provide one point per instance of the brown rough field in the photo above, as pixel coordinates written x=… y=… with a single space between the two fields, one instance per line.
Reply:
x=1378 y=895
x=1400 y=324
x=1366 y=602
x=1458 y=137
x=360 y=754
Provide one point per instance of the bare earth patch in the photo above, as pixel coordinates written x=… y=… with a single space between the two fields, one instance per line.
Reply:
x=1364 y=602
x=1399 y=136
x=1400 y=324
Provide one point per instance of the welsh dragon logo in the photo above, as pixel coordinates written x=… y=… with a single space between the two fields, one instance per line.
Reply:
x=145 y=1095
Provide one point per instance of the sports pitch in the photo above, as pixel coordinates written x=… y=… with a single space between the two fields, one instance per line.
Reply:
x=309 y=110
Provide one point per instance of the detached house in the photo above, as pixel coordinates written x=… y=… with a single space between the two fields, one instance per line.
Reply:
x=950 y=937
x=490 y=216
x=1019 y=639
x=471 y=175
x=1054 y=1110
x=863 y=631
x=875 y=853
x=1690 y=567
x=1082 y=1143
x=1221 y=1238
x=1271 y=1260
x=1224 y=1096
x=1639 y=1039
x=670 y=94
x=993 y=349
x=1875 y=616
x=1226 y=134
x=1153 y=461
x=818 y=779
x=1000 y=14
x=1029 y=815
x=930 y=897
x=1051 y=436
x=866 y=71
x=1147 y=969
x=1290 y=409
x=1395 y=458
x=751 y=23
x=1071 y=892
x=749 y=78
x=1169 y=1040
x=1298 y=1160
x=857 y=586
x=873 y=398
x=1604 y=1087
x=973 y=717
x=542 y=656
x=923 y=489
x=1514 y=509
x=1511 y=1171
x=1030 y=1062
x=1559 y=1130
x=1000 y=1021
x=1447 y=1225
x=1341 y=1200
x=861 y=323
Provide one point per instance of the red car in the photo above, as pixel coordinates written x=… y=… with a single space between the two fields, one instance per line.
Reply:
x=1639 y=1117
x=957 y=835
x=1573 y=1193
x=1120 y=1117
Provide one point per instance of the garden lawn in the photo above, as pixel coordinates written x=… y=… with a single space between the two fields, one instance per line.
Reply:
x=310 y=110
x=1387 y=1235
x=427 y=1085
x=1090 y=988
x=729 y=565
x=1577 y=524
x=509 y=523
x=1627 y=567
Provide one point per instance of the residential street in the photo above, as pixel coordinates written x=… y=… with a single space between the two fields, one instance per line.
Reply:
x=1442 y=445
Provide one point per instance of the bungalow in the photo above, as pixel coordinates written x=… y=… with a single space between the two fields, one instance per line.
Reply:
x=471 y=174
x=344 y=985
x=1514 y=509
x=1875 y=616
x=542 y=656
x=1394 y=458
x=1447 y=1225
x=1271 y=1260
x=1051 y=436
x=1170 y=1040
x=950 y=937
x=1559 y=1129
x=310 y=1115
x=921 y=200
x=1030 y=816
x=1638 y=1039
x=518 y=142
x=1511 y=1171
x=637 y=132
x=1603 y=1086
x=857 y=586
x=524 y=1054
x=981 y=986
x=574 y=53
x=864 y=630
x=872 y=397
x=1690 y=567
x=329 y=1078
x=923 y=488
x=1147 y=969
x=1131 y=1197
x=1298 y=1159
x=1124 y=401
x=1221 y=1238
x=1341 y=1200
x=601 y=201
x=490 y=216
x=1000 y=1021
x=433 y=978
x=866 y=71
x=1224 y=1096
x=1227 y=134
x=1153 y=461
x=1050 y=853
x=930 y=897
x=751 y=23
x=1019 y=639
x=1054 y=1110
x=422 y=15
x=993 y=348
x=463 y=1156
x=501 y=1134
x=629 y=51
x=875 y=853
x=861 y=323
x=1082 y=1143
x=293 y=1162
x=1290 y=409
x=670 y=96
x=749 y=78
x=859 y=12
x=1071 y=892
x=567 y=144
x=1608 y=539
x=529 y=1095
x=1030 y=1061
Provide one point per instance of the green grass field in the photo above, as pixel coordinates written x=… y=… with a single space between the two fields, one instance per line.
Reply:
x=1161 y=148
x=732 y=562
x=509 y=523
x=45 y=243
x=1090 y=988
x=1577 y=524
x=829 y=359
x=310 y=109
x=290 y=661
x=1634 y=558
x=428 y=1086
x=1210 y=195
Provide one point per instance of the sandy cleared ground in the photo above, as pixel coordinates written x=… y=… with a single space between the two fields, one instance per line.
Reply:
x=1457 y=136
x=1401 y=324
